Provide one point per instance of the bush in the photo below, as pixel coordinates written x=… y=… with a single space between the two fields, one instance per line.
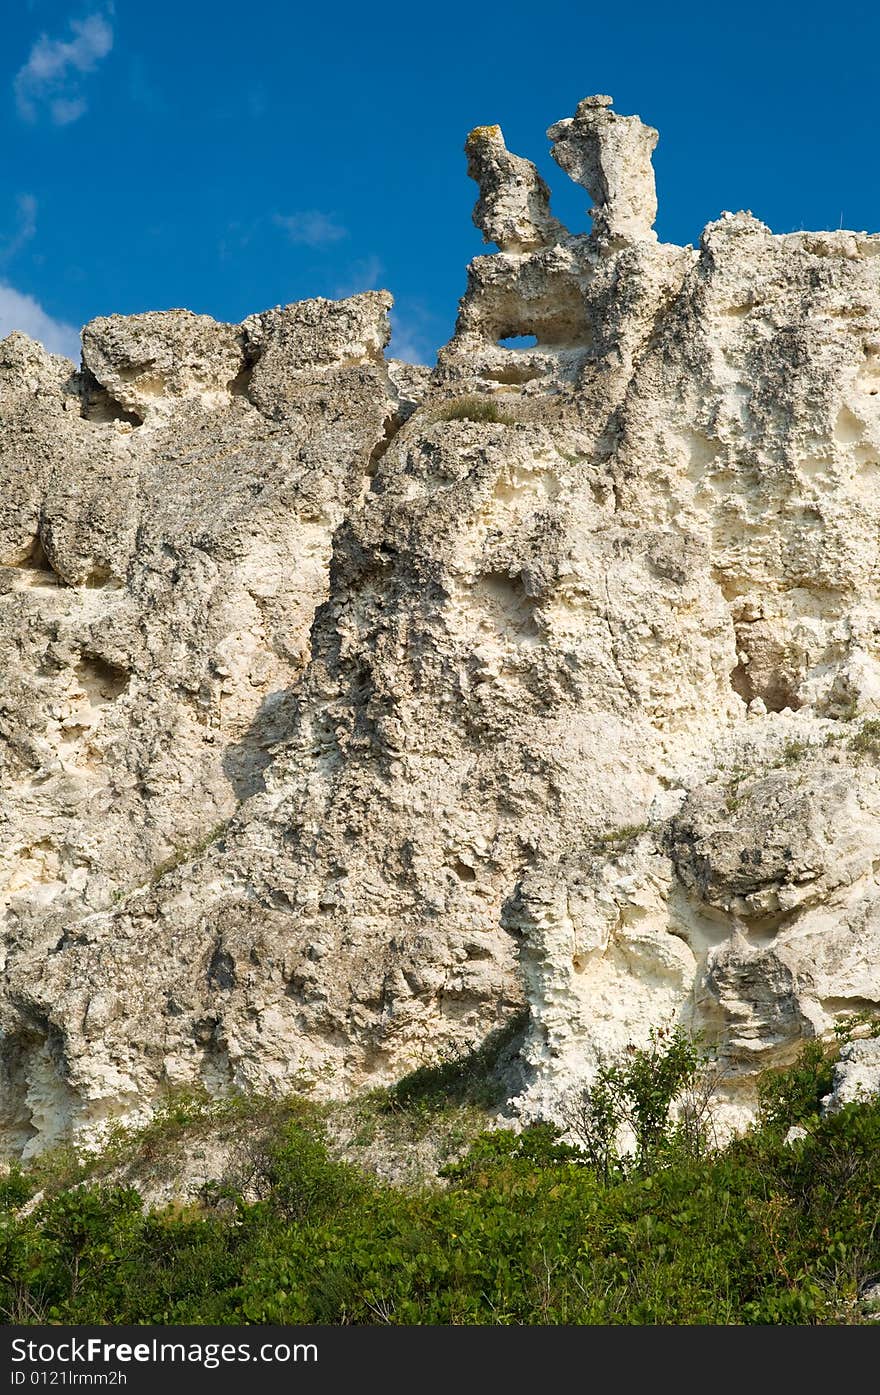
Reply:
x=526 y=1229
x=15 y=1189
x=537 y=1146
x=298 y=1179
x=660 y=1094
x=792 y=1097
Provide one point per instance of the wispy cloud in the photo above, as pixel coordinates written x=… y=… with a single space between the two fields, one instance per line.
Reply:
x=415 y=332
x=25 y=228
x=311 y=228
x=23 y=312
x=51 y=78
x=408 y=344
x=257 y=101
x=143 y=92
x=362 y=275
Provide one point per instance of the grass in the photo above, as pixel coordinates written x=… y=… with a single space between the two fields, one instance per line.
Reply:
x=187 y=852
x=795 y=751
x=866 y=741
x=442 y=1107
x=619 y=839
x=732 y=797
x=480 y=409
x=185 y=1115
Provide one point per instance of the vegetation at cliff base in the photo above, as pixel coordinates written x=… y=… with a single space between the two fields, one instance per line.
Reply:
x=521 y=1228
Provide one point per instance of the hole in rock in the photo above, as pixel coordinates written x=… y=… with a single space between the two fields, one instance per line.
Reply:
x=554 y=319
x=463 y=872
x=221 y=970
x=35 y=560
x=476 y=951
x=99 y=577
x=778 y=690
x=513 y=373
x=99 y=406
x=739 y=682
x=390 y=427
x=36 y=1102
x=510 y=606
x=102 y=682
x=239 y=385
x=844 y=1007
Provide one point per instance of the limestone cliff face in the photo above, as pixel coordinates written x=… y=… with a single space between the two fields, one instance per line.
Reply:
x=341 y=719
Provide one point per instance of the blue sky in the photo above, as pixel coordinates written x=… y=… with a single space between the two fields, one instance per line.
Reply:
x=230 y=157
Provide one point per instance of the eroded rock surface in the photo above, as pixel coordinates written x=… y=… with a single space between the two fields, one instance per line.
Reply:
x=856 y=1077
x=339 y=725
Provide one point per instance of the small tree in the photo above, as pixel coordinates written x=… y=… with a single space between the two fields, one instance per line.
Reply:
x=662 y=1094
x=593 y=1115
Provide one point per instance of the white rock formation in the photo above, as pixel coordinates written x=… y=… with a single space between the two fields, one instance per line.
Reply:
x=514 y=205
x=338 y=725
x=610 y=156
x=856 y=1076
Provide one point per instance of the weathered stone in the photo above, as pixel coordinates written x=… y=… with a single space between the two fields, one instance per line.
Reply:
x=342 y=717
x=856 y=1076
x=147 y=363
x=514 y=205
x=610 y=156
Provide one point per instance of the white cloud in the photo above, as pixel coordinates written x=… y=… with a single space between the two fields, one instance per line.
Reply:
x=25 y=227
x=363 y=275
x=311 y=228
x=65 y=110
x=50 y=77
x=23 y=312
x=414 y=333
x=409 y=346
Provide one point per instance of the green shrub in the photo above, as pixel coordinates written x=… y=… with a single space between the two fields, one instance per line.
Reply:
x=791 y=1097
x=619 y=839
x=661 y=1094
x=15 y=1189
x=299 y=1180
x=794 y=751
x=525 y=1230
x=536 y=1146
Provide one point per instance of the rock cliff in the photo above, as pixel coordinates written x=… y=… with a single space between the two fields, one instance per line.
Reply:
x=347 y=708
